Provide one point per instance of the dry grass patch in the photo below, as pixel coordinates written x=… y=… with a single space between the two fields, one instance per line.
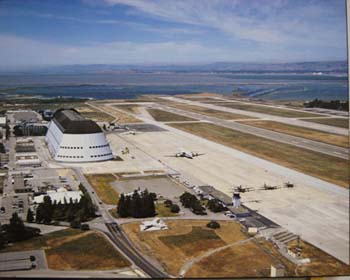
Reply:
x=183 y=240
x=163 y=211
x=130 y=108
x=164 y=116
x=120 y=116
x=73 y=249
x=323 y=166
x=89 y=252
x=95 y=115
x=101 y=184
x=312 y=134
x=268 y=110
x=208 y=112
x=339 y=122
x=244 y=260
x=321 y=263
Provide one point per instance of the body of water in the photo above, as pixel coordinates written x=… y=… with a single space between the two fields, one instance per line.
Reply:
x=102 y=86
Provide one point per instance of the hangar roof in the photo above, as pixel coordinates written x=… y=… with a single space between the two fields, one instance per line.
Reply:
x=71 y=122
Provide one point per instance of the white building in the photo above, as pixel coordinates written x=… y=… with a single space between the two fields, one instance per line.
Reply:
x=72 y=138
x=61 y=195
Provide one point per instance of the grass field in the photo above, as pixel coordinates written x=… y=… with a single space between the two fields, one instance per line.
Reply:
x=95 y=115
x=339 y=122
x=163 y=211
x=208 y=112
x=73 y=249
x=164 y=116
x=120 y=116
x=268 y=110
x=321 y=263
x=130 y=108
x=312 y=134
x=234 y=262
x=323 y=166
x=199 y=236
x=100 y=183
x=183 y=240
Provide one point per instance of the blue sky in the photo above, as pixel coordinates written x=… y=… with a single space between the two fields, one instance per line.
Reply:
x=59 y=32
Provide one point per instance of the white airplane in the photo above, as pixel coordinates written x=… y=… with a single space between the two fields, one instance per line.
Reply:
x=132 y=132
x=186 y=154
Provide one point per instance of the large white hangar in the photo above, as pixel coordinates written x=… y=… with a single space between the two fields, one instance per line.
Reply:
x=72 y=138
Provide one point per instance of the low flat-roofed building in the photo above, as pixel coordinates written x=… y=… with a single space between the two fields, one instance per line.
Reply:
x=20 y=184
x=60 y=196
x=210 y=192
x=3 y=121
x=4 y=159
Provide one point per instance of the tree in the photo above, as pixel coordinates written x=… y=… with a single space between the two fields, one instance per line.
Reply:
x=30 y=216
x=45 y=211
x=48 y=210
x=122 y=208
x=16 y=230
x=3 y=239
x=168 y=203
x=187 y=199
x=213 y=224
x=85 y=227
x=174 y=208
x=197 y=208
x=2 y=148
x=215 y=206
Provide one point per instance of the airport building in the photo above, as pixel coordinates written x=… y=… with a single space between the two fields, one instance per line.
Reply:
x=72 y=138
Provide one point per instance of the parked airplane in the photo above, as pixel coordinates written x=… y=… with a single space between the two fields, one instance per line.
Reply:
x=241 y=189
x=186 y=154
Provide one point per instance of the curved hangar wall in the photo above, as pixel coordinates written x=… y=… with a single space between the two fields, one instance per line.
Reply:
x=72 y=138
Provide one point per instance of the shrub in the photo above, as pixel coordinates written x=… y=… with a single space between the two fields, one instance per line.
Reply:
x=215 y=206
x=213 y=225
x=174 y=208
x=84 y=227
x=75 y=224
x=168 y=203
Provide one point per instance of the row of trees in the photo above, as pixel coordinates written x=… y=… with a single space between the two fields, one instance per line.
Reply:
x=332 y=104
x=137 y=205
x=191 y=201
x=73 y=212
x=16 y=231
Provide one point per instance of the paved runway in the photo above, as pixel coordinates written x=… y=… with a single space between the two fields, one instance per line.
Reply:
x=316 y=210
x=292 y=121
x=272 y=135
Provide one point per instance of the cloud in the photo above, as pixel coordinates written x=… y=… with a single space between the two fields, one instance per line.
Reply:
x=260 y=21
x=23 y=52
x=18 y=52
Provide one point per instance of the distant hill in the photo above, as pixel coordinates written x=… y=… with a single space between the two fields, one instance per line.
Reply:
x=233 y=67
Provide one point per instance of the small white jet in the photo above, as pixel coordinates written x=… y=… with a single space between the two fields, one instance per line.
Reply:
x=186 y=154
